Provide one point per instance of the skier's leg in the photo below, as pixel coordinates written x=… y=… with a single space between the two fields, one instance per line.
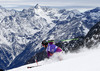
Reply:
x=59 y=49
x=59 y=52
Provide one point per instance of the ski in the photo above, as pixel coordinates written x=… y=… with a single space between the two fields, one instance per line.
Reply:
x=70 y=39
x=33 y=66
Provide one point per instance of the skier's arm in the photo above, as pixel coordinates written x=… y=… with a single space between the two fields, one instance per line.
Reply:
x=49 y=54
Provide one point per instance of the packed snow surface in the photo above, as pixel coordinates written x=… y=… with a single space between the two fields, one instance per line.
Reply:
x=85 y=60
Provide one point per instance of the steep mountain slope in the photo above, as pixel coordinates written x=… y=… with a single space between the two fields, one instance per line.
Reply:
x=21 y=32
x=88 y=60
x=93 y=36
x=4 y=12
x=75 y=24
x=62 y=30
x=91 y=40
x=17 y=30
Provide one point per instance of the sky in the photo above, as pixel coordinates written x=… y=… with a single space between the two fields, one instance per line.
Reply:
x=69 y=4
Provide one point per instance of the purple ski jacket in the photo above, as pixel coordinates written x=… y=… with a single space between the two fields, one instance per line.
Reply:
x=52 y=49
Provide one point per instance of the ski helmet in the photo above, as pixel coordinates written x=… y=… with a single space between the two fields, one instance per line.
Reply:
x=44 y=42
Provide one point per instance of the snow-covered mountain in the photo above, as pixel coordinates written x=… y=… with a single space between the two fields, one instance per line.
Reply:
x=93 y=36
x=21 y=32
x=74 y=24
x=4 y=12
x=92 y=39
x=18 y=29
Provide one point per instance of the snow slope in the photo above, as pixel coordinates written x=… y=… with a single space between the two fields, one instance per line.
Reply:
x=86 y=60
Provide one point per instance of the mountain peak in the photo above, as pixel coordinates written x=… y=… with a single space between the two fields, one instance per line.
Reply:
x=95 y=10
x=1 y=7
x=37 y=6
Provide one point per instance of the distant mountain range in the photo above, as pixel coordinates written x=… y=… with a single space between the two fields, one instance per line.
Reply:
x=21 y=32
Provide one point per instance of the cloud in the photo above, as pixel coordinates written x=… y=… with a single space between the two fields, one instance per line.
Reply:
x=52 y=2
x=68 y=3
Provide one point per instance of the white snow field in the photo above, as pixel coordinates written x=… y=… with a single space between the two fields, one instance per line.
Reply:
x=85 y=60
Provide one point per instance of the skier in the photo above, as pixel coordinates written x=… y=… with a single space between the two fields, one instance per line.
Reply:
x=51 y=48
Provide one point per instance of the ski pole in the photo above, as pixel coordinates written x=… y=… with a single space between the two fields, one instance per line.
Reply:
x=36 y=60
